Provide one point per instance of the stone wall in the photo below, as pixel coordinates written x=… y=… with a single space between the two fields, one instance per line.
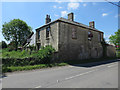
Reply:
x=111 y=51
x=53 y=36
x=79 y=47
x=71 y=41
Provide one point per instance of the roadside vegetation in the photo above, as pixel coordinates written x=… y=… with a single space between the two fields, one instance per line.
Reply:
x=26 y=60
x=118 y=53
x=115 y=39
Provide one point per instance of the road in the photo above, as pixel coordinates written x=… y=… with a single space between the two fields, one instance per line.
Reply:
x=95 y=75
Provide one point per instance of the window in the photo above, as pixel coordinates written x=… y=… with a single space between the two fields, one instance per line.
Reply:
x=38 y=34
x=99 y=37
x=47 y=32
x=74 y=34
x=90 y=35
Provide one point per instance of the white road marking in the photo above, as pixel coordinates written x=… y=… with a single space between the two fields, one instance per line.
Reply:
x=38 y=87
x=80 y=74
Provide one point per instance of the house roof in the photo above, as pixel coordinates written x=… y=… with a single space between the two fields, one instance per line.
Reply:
x=70 y=22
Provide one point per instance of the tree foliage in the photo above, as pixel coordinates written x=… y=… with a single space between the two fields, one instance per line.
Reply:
x=115 y=39
x=3 y=44
x=16 y=31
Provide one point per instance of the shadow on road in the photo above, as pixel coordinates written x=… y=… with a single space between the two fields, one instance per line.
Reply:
x=87 y=65
x=3 y=75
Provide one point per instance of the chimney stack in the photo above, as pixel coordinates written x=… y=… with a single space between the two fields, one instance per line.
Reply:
x=92 y=24
x=71 y=16
x=47 y=20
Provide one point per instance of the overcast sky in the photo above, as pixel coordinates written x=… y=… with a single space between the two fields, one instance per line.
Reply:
x=104 y=14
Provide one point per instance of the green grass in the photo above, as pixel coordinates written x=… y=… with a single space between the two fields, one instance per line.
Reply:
x=20 y=68
x=15 y=54
x=31 y=67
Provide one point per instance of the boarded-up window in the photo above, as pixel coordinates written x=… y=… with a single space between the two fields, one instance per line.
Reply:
x=90 y=35
x=74 y=34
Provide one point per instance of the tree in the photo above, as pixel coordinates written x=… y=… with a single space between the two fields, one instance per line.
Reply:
x=16 y=31
x=3 y=44
x=115 y=39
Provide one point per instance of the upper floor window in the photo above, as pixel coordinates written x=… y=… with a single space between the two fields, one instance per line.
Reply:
x=74 y=34
x=90 y=35
x=99 y=37
x=47 y=32
x=38 y=34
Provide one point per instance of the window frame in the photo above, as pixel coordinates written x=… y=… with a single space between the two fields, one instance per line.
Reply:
x=39 y=34
x=90 y=35
x=48 y=32
x=74 y=33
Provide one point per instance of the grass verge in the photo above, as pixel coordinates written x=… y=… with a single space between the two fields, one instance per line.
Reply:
x=31 y=67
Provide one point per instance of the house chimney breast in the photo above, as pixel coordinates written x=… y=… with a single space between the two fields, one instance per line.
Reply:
x=71 y=16
x=92 y=24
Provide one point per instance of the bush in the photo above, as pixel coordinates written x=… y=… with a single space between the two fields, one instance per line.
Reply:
x=5 y=69
x=3 y=44
x=44 y=54
x=18 y=58
x=14 y=54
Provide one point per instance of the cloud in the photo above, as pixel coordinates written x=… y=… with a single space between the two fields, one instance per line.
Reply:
x=84 y=4
x=64 y=13
x=75 y=0
x=59 y=7
x=54 y=6
x=104 y=14
x=73 y=5
x=56 y=15
x=58 y=1
x=107 y=36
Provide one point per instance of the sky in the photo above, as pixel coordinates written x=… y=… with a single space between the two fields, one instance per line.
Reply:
x=104 y=14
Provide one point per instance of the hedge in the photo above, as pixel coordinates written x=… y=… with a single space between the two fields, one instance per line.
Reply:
x=43 y=56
